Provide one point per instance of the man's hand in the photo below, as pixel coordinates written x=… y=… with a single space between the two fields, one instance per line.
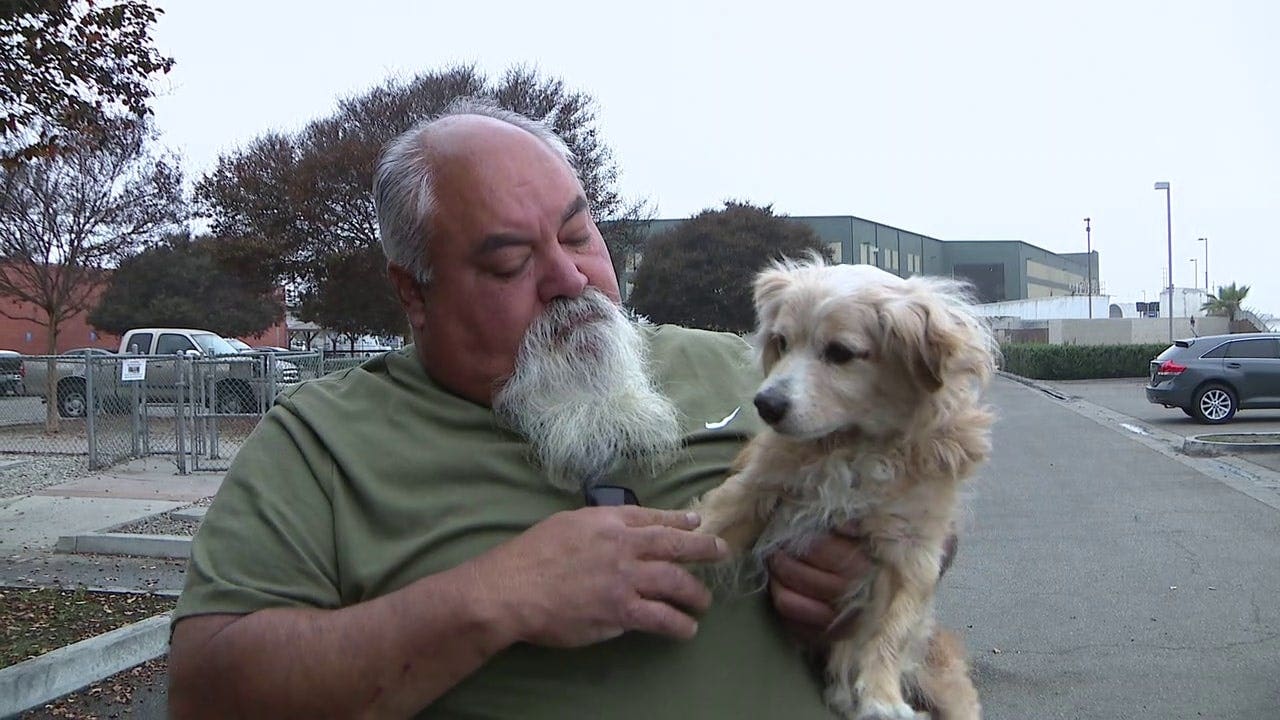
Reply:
x=589 y=575
x=806 y=589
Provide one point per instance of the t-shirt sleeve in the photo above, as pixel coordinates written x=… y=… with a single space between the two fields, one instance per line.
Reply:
x=267 y=540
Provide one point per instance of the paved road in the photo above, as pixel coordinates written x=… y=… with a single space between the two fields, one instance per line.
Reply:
x=1126 y=396
x=1114 y=579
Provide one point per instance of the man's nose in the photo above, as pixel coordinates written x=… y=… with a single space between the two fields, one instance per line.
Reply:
x=561 y=277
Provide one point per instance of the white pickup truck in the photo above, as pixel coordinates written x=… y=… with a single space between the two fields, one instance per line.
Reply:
x=228 y=381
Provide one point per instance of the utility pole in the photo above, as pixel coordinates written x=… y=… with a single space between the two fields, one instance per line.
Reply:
x=1088 y=261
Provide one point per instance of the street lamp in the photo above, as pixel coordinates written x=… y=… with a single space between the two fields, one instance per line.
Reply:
x=1168 y=224
x=1195 y=268
x=1088 y=260
x=1206 y=262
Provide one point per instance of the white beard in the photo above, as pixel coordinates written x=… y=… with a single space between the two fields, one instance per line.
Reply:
x=582 y=396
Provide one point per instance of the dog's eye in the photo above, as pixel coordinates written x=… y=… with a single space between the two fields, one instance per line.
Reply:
x=838 y=354
x=781 y=343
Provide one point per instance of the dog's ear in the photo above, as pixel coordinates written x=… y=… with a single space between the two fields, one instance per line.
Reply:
x=769 y=286
x=911 y=332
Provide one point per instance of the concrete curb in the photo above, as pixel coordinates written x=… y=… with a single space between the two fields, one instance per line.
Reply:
x=156 y=546
x=1036 y=384
x=36 y=681
x=1203 y=446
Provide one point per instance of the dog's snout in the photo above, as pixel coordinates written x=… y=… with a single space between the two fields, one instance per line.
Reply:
x=772 y=406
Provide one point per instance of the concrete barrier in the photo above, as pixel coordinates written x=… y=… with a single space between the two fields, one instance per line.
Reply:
x=157 y=546
x=36 y=681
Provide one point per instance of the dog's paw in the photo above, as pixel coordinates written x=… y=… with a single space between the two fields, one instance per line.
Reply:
x=885 y=711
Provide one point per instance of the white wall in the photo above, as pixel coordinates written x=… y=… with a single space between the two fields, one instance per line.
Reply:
x=1130 y=331
x=1064 y=306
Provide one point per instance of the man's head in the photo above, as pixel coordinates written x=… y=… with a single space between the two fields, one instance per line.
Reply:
x=484 y=223
x=510 y=291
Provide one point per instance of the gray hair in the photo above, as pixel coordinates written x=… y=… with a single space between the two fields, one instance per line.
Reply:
x=403 y=196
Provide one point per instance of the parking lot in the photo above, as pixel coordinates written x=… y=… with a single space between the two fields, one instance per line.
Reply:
x=1126 y=396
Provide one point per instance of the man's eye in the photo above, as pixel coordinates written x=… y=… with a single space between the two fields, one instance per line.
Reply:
x=578 y=241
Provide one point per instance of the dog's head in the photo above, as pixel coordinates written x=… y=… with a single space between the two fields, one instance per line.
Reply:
x=852 y=347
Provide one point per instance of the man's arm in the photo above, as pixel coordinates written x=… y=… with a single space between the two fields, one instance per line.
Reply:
x=574 y=579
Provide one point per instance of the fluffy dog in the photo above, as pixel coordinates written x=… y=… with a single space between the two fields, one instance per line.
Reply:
x=872 y=397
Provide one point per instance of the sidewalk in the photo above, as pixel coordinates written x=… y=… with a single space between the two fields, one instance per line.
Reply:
x=30 y=526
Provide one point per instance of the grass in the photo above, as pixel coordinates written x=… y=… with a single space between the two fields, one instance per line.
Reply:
x=35 y=621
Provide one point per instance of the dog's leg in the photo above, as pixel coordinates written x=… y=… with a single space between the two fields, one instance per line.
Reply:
x=944 y=681
x=736 y=512
x=899 y=600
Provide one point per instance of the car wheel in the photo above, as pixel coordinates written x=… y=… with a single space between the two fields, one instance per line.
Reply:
x=1214 y=404
x=72 y=402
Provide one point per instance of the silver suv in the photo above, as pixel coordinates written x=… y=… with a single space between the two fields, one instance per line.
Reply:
x=1210 y=378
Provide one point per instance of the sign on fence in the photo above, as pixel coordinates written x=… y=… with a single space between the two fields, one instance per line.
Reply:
x=133 y=369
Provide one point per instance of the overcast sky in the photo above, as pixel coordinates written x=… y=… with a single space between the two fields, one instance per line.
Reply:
x=975 y=120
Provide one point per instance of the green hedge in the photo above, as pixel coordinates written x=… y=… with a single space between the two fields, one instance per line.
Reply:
x=1078 y=362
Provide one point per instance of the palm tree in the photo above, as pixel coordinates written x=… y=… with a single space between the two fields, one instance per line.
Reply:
x=1227 y=302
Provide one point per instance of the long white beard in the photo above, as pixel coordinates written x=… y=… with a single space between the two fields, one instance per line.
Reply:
x=582 y=396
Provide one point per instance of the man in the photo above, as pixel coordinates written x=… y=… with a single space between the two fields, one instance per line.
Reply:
x=410 y=537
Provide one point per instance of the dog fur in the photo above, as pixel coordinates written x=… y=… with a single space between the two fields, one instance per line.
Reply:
x=873 y=399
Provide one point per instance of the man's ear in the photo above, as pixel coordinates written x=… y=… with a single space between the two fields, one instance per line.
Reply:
x=410 y=294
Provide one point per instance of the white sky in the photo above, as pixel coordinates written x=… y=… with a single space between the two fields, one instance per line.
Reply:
x=978 y=120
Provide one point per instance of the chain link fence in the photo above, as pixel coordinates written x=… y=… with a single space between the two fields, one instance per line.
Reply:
x=108 y=408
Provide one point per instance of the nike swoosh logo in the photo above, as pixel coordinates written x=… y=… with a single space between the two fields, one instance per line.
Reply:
x=721 y=423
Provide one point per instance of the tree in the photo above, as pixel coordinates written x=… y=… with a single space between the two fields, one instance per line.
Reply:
x=304 y=197
x=183 y=283
x=1228 y=301
x=66 y=218
x=68 y=67
x=700 y=273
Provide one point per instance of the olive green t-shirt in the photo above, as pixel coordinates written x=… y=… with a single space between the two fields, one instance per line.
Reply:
x=359 y=483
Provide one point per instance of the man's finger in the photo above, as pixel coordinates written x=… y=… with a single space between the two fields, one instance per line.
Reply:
x=806 y=579
x=659 y=618
x=800 y=609
x=673 y=584
x=637 y=516
x=839 y=555
x=667 y=543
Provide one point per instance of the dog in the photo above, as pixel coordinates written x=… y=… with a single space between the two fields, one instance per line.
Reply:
x=872 y=397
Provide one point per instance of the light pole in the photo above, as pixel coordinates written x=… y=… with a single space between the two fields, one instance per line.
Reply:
x=1195 y=268
x=1168 y=224
x=1088 y=261
x=1206 y=262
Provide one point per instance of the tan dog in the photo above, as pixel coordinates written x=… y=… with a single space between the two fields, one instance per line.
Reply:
x=872 y=396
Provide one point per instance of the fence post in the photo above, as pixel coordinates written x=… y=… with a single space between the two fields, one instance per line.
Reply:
x=271 y=383
x=212 y=419
x=90 y=410
x=179 y=414
x=136 y=413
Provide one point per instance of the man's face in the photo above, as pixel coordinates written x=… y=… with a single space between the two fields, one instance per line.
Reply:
x=512 y=233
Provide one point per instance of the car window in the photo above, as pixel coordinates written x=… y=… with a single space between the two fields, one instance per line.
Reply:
x=170 y=343
x=1218 y=352
x=213 y=345
x=139 y=343
x=1257 y=348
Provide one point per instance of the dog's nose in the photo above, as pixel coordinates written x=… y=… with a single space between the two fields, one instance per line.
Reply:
x=772 y=406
